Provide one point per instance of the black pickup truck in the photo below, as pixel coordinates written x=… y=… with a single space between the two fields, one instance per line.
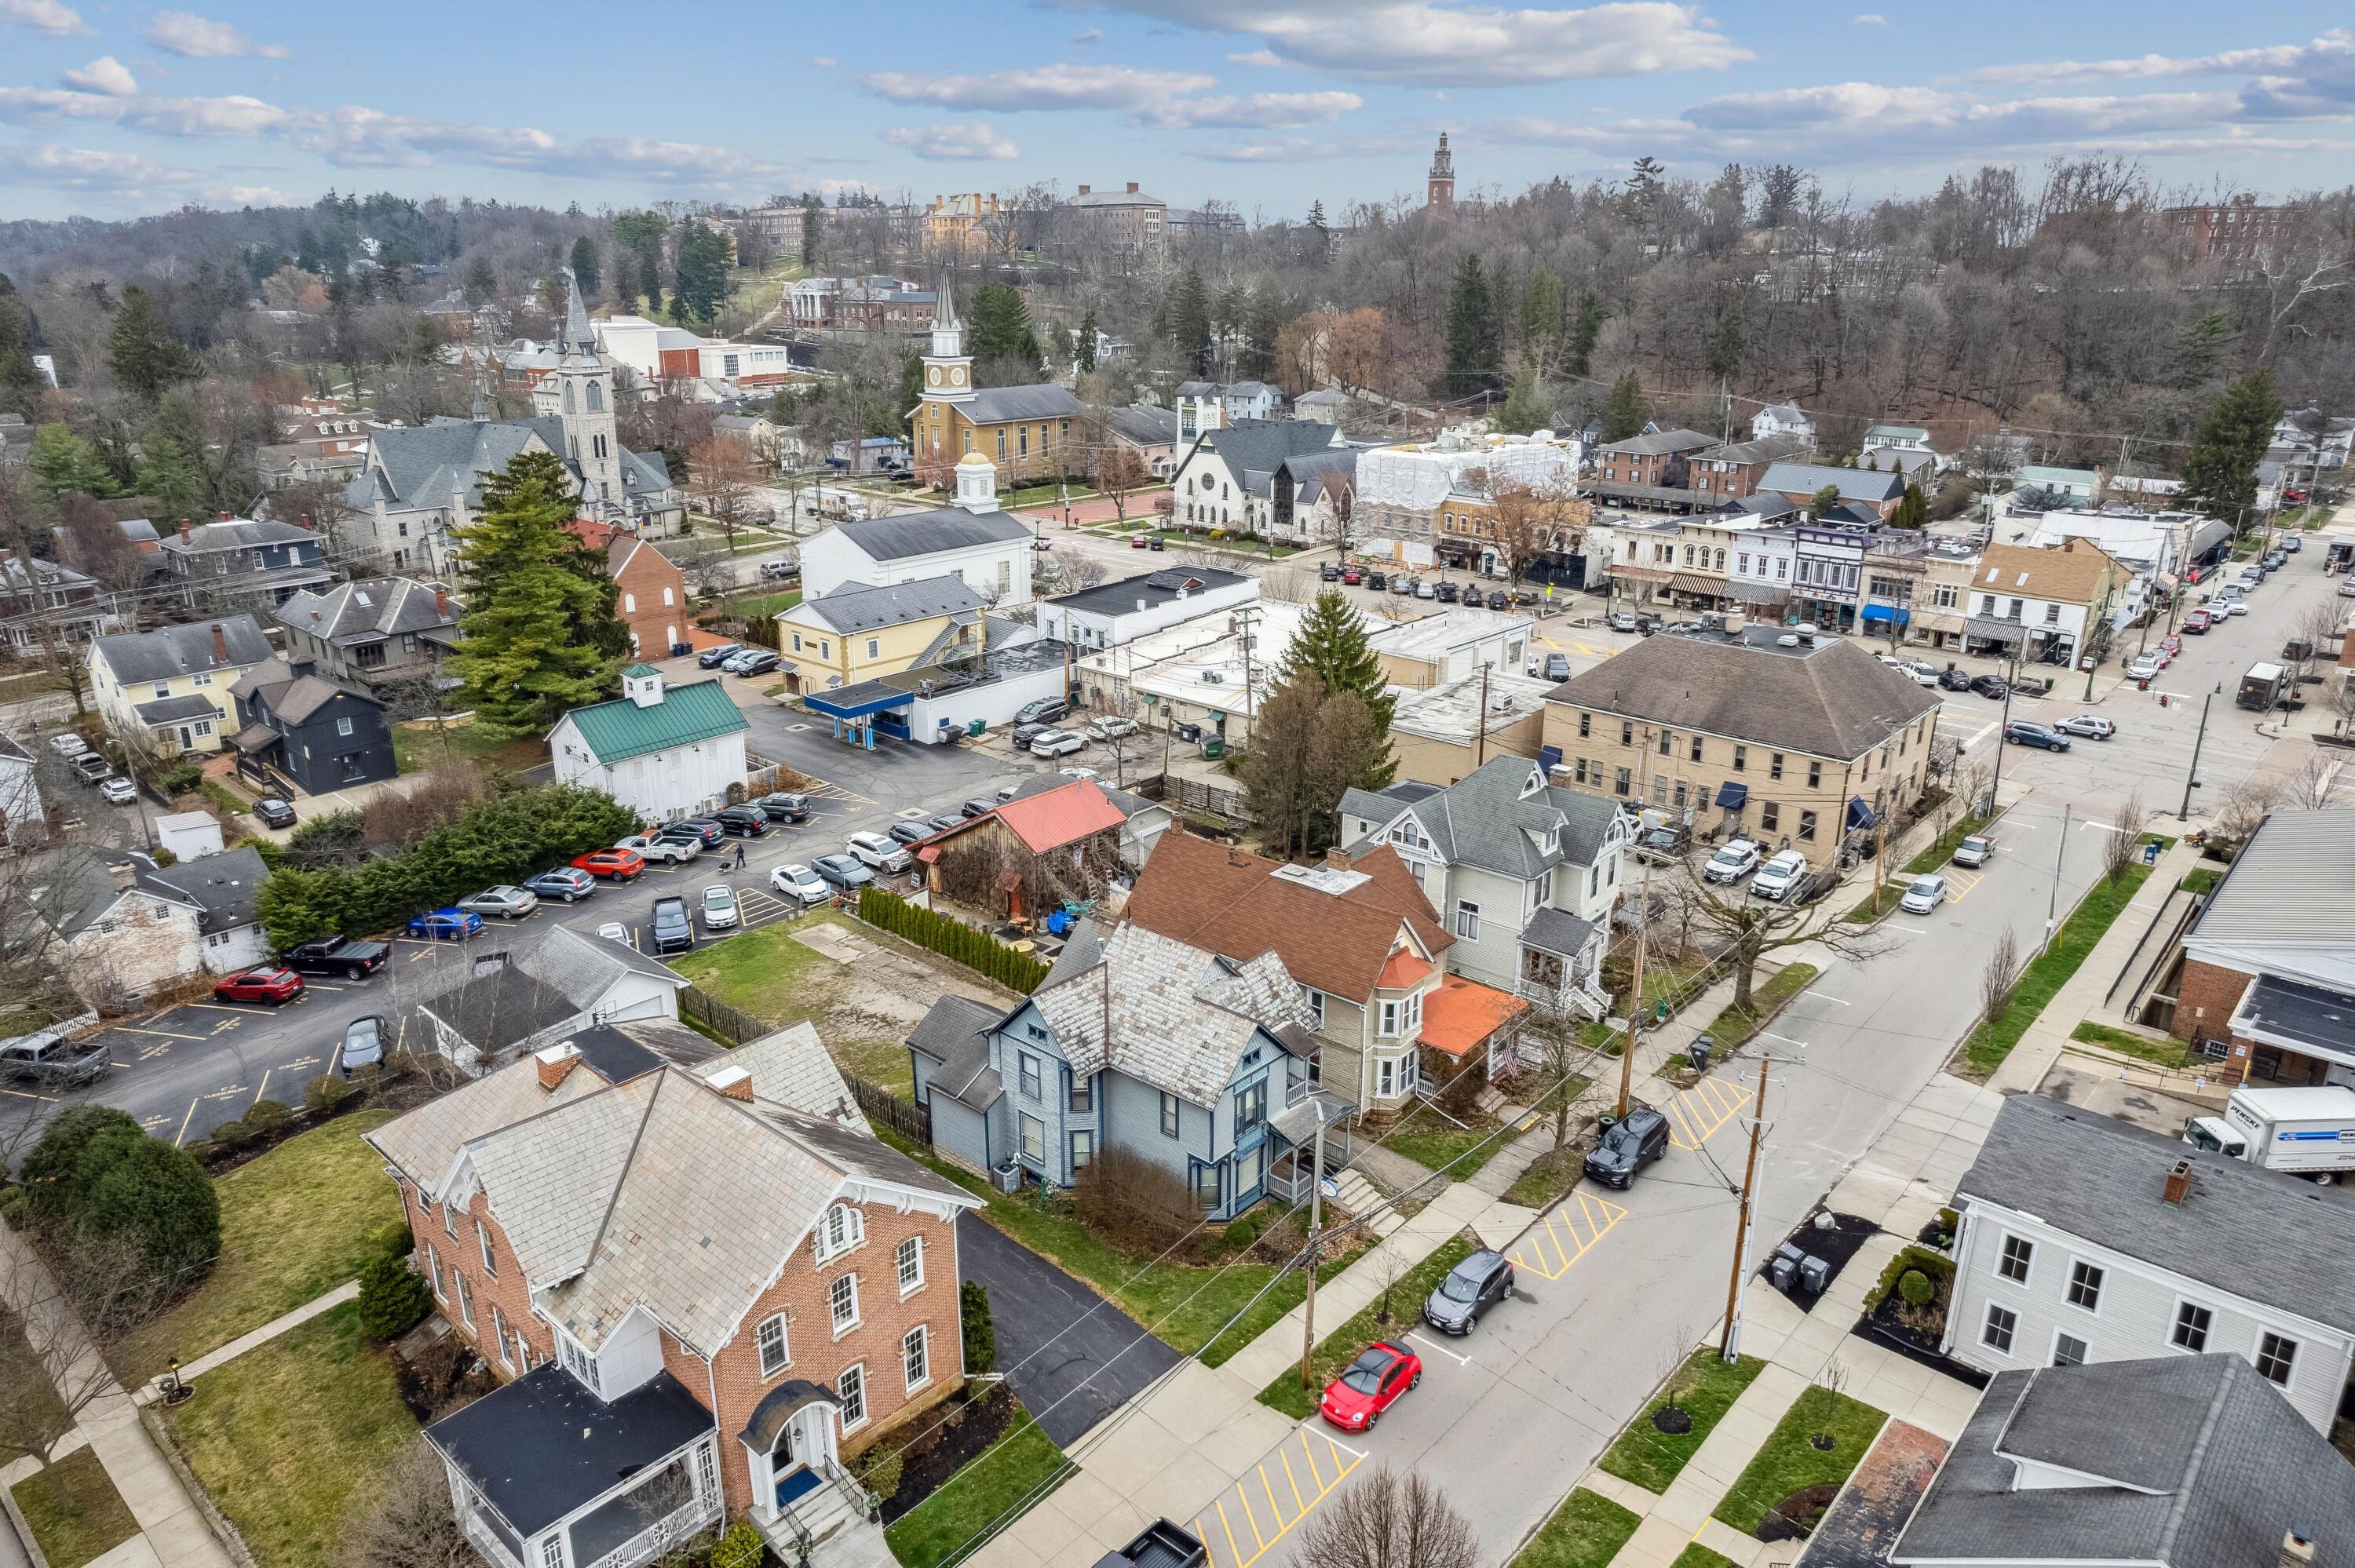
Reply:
x=1163 y=1545
x=336 y=956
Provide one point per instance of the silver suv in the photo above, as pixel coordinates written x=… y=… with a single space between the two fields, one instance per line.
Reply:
x=49 y=1059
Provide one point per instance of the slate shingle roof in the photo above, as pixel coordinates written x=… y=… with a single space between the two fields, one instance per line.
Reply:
x=1254 y=449
x=863 y=606
x=1486 y=819
x=365 y=611
x=998 y=405
x=185 y=649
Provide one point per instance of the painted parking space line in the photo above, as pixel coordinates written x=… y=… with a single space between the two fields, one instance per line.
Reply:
x=1268 y=1501
x=1436 y=1349
x=1568 y=1231
x=1698 y=1114
x=166 y=1033
x=1960 y=883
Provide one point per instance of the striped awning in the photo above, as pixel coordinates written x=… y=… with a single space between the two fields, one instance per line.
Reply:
x=1699 y=583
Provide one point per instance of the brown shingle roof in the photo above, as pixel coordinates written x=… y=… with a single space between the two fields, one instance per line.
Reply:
x=2070 y=573
x=1233 y=902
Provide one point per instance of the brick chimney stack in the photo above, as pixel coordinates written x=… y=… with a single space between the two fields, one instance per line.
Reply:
x=735 y=1083
x=183 y=530
x=556 y=1064
x=441 y=601
x=1132 y=187
x=226 y=517
x=2179 y=1182
x=221 y=644
x=1083 y=190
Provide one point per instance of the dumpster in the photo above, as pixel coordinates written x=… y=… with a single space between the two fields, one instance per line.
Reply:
x=1213 y=747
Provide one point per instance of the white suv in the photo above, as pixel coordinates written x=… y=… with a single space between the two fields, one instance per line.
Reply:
x=879 y=852
x=1779 y=876
x=1731 y=863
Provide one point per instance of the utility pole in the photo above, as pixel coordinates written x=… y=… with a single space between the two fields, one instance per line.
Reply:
x=1730 y=1347
x=2192 y=777
x=1315 y=1233
x=1246 y=630
x=2053 y=900
x=1635 y=999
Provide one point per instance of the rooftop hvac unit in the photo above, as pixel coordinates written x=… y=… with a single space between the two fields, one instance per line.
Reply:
x=1212 y=678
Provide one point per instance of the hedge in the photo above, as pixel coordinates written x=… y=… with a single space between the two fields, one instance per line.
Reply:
x=977 y=950
x=504 y=839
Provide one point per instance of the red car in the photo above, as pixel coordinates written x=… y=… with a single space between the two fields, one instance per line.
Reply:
x=2173 y=643
x=267 y=984
x=2197 y=622
x=1371 y=1384
x=621 y=864
x=1352 y=575
x=1140 y=542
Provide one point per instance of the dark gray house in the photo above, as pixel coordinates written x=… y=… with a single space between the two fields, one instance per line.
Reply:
x=378 y=634
x=244 y=562
x=1134 y=1041
x=298 y=730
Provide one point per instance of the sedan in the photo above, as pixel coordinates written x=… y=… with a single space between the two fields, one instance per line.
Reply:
x=508 y=903
x=843 y=872
x=1058 y=743
x=2022 y=733
x=712 y=658
x=1991 y=686
x=1471 y=1287
x=1952 y=679
x=1138 y=542
x=874 y=850
x=1373 y=1383
x=719 y=910
x=1351 y=576
x=273 y=814
x=1925 y=894
x=446 y=925
x=117 y=791
x=801 y=884
x=703 y=828
x=1111 y=727
x=566 y=884
x=947 y=821
x=2089 y=725
x=361 y=1046
x=619 y=865
x=1731 y=864
x=2238 y=606
x=270 y=984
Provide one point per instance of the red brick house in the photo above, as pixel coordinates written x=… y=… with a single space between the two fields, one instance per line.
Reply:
x=654 y=603
x=701 y=1281
x=1648 y=470
x=1723 y=473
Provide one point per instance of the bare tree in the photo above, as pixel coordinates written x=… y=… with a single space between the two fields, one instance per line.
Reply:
x=1557 y=1035
x=1749 y=930
x=2317 y=785
x=1536 y=520
x=1086 y=572
x=404 y=1520
x=1119 y=471
x=2122 y=846
x=54 y=1326
x=722 y=477
x=2245 y=807
x=2000 y=975
x=1390 y=1520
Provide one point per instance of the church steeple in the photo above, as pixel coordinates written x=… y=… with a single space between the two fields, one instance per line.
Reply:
x=1440 y=187
x=579 y=338
x=580 y=393
x=948 y=369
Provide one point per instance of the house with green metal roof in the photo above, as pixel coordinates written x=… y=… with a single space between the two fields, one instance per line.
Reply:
x=663 y=751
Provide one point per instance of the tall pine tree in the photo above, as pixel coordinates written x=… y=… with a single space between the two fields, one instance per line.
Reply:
x=63 y=462
x=1086 y=358
x=1625 y=412
x=540 y=629
x=1525 y=409
x=700 y=290
x=1332 y=642
x=1578 y=343
x=1190 y=322
x=20 y=379
x=1540 y=318
x=141 y=351
x=172 y=465
x=584 y=265
x=1475 y=348
x=1000 y=332
x=2219 y=471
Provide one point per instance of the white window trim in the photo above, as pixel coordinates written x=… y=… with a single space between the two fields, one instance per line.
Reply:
x=433 y=1267
x=2175 y=1316
x=2070 y=1284
x=833 y=1315
x=845 y=1218
x=856 y=1370
x=2028 y=1270
x=922 y=1334
x=490 y=1259
x=2258 y=1347
x=499 y=1328
x=784 y=1345
x=2053 y=1352
x=1987 y=1328
x=899 y=1266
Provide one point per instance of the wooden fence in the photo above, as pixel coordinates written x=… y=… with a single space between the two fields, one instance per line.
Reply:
x=910 y=1122
x=734 y=1026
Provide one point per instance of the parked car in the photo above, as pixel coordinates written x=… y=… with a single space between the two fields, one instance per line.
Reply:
x=785 y=806
x=1379 y=582
x=1329 y=573
x=2019 y=732
x=1553 y=667
x=712 y=658
x=1058 y=743
x=1663 y=845
x=507 y=902
x=1111 y=727
x=46 y=1058
x=1471 y=1287
x=617 y=864
x=2171 y=645
x=1994 y=686
x=614 y=931
x=874 y=850
x=1377 y=1379
x=673 y=930
x=1973 y=851
x=1402 y=584
x=1448 y=593
x=1024 y=733
x=270 y=984
x=719 y=909
x=800 y=883
x=843 y=872
x=909 y=832
x=1352 y=576
x=702 y=829
x=566 y=884
x=1950 y=679
x=361 y=1046
x=757 y=661
x=91 y=767
x=1925 y=894
x=337 y=955
x=2198 y=621
x=1624 y=622
x=944 y=821
x=1045 y=710
x=273 y=814
x=1780 y=873
x=979 y=806
x=1734 y=859
x=446 y=925
x=1628 y=1147
x=2293 y=544
x=1920 y=674
x=1138 y=542
x=2143 y=667
x=2092 y=725
x=742 y=822
x=69 y=744
x=2237 y=605
x=668 y=849
x=778 y=571
x=1425 y=590
x=117 y=791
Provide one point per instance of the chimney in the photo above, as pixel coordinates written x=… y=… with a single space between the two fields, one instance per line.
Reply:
x=225 y=517
x=183 y=530
x=2179 y=1182
x=124 y=873
x=1337 y=858
x=440 y=601
x=2297 y=1547
x=736 y=1083
x=1733 y=621
x=221 y=644
x=315 y=618
x=1083 y=190
x=556 y=1063
x=306 y=521
x=1132 y=187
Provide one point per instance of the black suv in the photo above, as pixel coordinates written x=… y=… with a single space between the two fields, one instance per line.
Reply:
x=1628 y=1147
x=1043 y=712
x=1471 y=1287
x=1991 y=686
x=742 y=822
x=1952 y=679
x=703 y=829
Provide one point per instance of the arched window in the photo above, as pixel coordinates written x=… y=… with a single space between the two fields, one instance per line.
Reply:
x=596 y=398
x=843 y=1227
x=568 y=397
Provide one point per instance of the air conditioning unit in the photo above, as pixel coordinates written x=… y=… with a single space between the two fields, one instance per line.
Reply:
x=1212 y=678
x=1006 y=1178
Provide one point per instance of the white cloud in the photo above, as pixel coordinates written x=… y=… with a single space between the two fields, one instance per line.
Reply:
x=1259 y=111
x=185 y=34
x=1447 y=43
x=1049 y=87
x=1311 y=149
x=124 y=179
x=47 y=16
x=2278 y=56
x=1256 y=57
x=105 y=74
x=1871 y=19
x=963 y=142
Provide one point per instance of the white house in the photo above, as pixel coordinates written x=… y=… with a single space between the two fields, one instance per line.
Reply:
x=20 y=793
x=1445 y=642
x=973 y=541
x=1781 y=419
x=125 y=929
x=665 y=753
x=1110 y=614
x=2086 y=1239
x=1206 y=406
x=226 y=890
x=513 y=1003
x=1268 y=476
x=1905 y=437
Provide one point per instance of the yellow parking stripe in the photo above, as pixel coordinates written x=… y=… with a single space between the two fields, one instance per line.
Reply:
x=1570 y=1230
x=1282 y=1521
x=1699 y=1113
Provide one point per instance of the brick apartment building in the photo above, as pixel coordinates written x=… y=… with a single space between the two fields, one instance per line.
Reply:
x=1723 y=473
x=653 y=599
x=1649 y=470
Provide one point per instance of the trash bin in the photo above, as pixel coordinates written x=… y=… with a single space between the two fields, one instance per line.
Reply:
x=1213 y=748
x=1814 y=1274
x=1780 y=1270
x=977 y=729
x=1699 y=1051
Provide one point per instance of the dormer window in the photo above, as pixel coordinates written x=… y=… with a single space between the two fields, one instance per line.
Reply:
x=577 y=1361
x=843 y=1227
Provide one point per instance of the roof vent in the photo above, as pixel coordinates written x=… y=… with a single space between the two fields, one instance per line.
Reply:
x=2179 y=1182
x=1788 y=640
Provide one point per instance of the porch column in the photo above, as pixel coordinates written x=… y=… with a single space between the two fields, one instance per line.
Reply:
x=764 y=1481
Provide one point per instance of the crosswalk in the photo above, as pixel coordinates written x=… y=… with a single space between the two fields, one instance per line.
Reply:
x=1245 y=1523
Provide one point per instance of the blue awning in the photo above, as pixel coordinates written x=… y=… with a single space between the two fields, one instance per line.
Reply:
x=1860 y=815
x=1733 y=797
x=1884 y=612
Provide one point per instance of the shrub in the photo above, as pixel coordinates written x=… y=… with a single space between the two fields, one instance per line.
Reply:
x=1133 y=1202
x=232 y=1134
x=160 y=1199
x=181 y=778
x=1915 y=1287
x=164 y=859
x=1243 y=1232
x=325 y=1093
x=741 y=1547
x=267 y=1116
x=978 y=1329
x=879 y=1469
x=394 y=1298
x=977 y=950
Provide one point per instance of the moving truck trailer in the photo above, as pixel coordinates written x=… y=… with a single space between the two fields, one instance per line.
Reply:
x=2301 y=1132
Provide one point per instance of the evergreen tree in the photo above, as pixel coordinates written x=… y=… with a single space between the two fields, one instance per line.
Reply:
x=2200 y=351
x=20 y=379
x=1331 y=641
x=538 y=630
x=63 y=462
x=1725 y=343
x=1625 y=412
x=482 y=283
x=1578 y=347
x=1190 y=322
x=813 y=228
x=1263 y=321
x=171 y=465
x=2219 y=471
x=1525 y=409
x=1086 y=358
x=1320 y=236
x=1913 y=511
x=911 y=382
x=584 y=265
x=141 y=349
x=998 y=327
x=1476 y=352
x=1540 y=318
x=700 y=289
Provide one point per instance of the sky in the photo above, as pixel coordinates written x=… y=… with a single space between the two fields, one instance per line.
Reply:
x=113 y=110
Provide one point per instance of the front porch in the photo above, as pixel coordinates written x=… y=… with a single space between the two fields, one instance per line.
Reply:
x=804 y=1500
x=1561 y=962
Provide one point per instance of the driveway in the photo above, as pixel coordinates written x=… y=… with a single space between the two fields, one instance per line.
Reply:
x=1073 y=1356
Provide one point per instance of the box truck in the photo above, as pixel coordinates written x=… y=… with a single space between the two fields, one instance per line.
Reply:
x=2261 y=687
x=2302 y=1132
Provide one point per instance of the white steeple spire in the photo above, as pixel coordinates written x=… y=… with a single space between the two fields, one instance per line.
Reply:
x=948 y=369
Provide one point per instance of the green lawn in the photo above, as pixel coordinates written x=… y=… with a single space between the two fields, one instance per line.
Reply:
x=1586 y=1532
x=295 y=1223
x=2160 y=1053
x=1735 y=1025
x=2201 y=879
x=1696 y=1555
x=761 y=605
x=1457 y=1146
x=765 y=972
x=423 y=745
x=285 y=1435
x=1992 y=1041
x=74 y=1510
x=1039 y=494
x=1866 y=911
x=1706 y=1389
x=1183 y=1306
x=1548 y=1177
x=1790 y=1462
x=1340 y=1347
x=1012 y=1475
